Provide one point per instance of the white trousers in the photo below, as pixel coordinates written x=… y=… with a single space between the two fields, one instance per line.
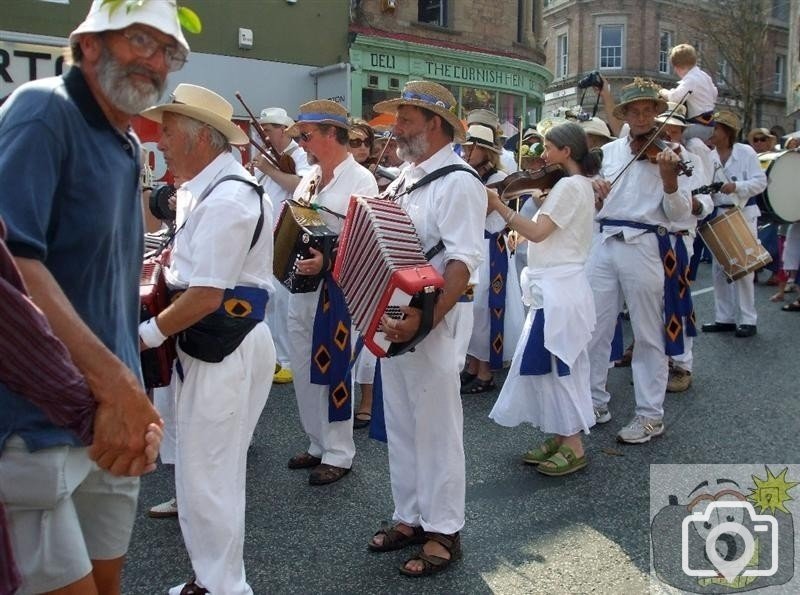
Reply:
x=425 y=428
x=330 y=441
x=164 y=402
x=278 y=316
x=735 y=302
x=636 y=271
x=218 y=406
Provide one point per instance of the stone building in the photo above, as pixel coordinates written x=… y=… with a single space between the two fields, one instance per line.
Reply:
x=626 y=38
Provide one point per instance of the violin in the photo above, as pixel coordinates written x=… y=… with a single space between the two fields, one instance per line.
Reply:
x=523 y=182
x=649 y=145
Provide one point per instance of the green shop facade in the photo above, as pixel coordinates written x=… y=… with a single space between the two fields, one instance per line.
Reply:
x=511 y=87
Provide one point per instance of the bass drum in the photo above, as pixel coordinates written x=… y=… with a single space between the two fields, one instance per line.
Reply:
x=782 y=197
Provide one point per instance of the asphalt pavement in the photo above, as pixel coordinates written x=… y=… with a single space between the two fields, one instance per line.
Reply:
x=524 y=533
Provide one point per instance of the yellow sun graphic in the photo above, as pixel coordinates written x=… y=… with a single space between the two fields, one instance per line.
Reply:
x=771 y=493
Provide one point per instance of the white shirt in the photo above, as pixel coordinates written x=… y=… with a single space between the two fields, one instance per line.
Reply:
x=703 y=96
x=213 y=249
x=277 y=194
x=744 y=169
x=349 y=178
x=638 y=195
x=507 y=162
x=451 y=209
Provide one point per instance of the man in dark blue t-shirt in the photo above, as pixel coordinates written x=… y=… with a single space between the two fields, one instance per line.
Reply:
x=69 y=169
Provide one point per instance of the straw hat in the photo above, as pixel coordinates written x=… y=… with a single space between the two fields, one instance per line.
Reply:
x=320 y=111
x=426 y=95
x=482 y=136
x=531 y=133
x=759 y=132
x=639 y=90
x=728 y=119
x=203 y=105
x=161 y=15
x=275 y=115
x=678 y=118
x=485 y=117
x=543 y=126
x=597 y=127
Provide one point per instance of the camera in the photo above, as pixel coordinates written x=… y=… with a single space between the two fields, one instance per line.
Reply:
x=159 y=202
x=593 y=79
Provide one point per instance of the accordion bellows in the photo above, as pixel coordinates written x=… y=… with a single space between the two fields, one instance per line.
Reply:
x=380 y=267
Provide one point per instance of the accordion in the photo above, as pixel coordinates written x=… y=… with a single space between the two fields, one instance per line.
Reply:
x=154 y=298
x=380 y=266
x=299 y=228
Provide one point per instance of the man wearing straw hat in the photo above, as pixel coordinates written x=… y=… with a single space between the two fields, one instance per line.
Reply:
x=738 y=167
x=221 y=274
x=422 y=404
x=279 y=186
x=70 y=165
x=639 y=254
x=322 y=128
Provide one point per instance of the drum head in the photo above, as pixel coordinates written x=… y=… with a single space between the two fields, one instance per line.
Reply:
x=783 y=188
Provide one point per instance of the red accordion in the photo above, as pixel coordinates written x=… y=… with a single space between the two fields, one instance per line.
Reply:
x=154 y=298
x=380 y=267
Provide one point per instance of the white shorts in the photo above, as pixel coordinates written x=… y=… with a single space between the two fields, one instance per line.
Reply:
x=63 y=511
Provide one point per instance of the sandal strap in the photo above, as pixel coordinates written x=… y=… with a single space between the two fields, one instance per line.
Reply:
x=448 y=542
x=431 y=559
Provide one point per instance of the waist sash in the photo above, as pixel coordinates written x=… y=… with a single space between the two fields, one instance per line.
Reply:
x=498 y=273
x=536 y=359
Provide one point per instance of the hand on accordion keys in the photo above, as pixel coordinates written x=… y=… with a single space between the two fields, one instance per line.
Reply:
x=405 y=329
x=310 y=266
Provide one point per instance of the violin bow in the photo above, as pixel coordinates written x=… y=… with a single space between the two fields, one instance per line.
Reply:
x=374 y=167
x=653 y=136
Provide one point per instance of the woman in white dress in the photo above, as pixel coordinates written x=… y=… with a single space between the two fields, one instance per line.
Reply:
x=548 y=383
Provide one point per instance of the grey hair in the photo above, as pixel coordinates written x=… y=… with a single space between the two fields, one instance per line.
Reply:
x=570 y=134
x=193 y=127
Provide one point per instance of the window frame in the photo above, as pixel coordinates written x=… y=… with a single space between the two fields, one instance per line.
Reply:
x=442 y=21
x=664 y=66
x=600 y=28
x=562 y=58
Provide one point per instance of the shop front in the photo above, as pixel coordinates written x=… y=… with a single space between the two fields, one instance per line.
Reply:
x=511 y=87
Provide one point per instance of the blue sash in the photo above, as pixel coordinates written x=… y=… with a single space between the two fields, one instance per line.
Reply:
x=498 y=271
x=536 y=359
x=330 y=350
x=244 y=302
x=678 y=307
x=617 y=344
x=377 y=426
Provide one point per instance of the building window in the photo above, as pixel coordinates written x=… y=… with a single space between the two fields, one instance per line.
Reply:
x=611 y=46
x=433 y=12
x=665 y=40
x=780 y=10
x=562 y=56
x=723 y=72
x=779 y=86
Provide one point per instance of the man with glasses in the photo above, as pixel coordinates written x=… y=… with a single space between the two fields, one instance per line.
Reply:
x=322 y=128
x=69 y=166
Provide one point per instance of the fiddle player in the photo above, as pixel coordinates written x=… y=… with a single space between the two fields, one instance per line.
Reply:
x=322 y=127
x=279 y=184
x=739 y=169
x=638 y=219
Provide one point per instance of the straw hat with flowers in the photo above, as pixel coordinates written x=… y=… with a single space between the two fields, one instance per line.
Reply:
x=429 y=96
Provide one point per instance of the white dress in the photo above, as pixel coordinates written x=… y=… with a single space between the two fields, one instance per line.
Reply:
x=556 y=282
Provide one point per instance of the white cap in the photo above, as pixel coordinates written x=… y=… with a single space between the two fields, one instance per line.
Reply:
x=275 y=115
x=159 y=14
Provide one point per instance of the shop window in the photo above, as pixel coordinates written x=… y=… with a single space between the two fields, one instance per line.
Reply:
x=433 y=12
x=394 y=83
x=373 y=80
x=612 y=46
x=369 y=97
x=472 y=98
x=509 y=110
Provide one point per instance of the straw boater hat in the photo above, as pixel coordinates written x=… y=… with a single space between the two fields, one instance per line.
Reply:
x=160 y=14
x=204 y=106
x=320 y=111
x=426 y=95
x=639 y=90
x=759 y=131
x=597 y=127
x=728 y=119
x=275 y=115
x=678 y=118
x=481 y=136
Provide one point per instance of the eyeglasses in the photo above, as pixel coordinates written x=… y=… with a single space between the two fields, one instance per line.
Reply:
x=358 y=142
x=305 y=136
x=759 y=139
x=145 y=46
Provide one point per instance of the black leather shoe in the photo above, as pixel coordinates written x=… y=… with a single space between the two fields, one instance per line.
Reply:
x=719 y=327
x=745 y=330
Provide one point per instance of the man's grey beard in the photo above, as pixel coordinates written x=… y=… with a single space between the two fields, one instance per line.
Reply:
x=130 y=97
x=411 y=149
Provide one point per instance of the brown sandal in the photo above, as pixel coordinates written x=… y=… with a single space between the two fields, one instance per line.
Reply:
x=394 y=539
x=192 y=588
x=303 y=461
x=323 y=474
x=435 y=564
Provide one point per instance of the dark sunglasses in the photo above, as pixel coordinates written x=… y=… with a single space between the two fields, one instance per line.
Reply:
x=358 y=142
x=305 y=136
x=759 y=139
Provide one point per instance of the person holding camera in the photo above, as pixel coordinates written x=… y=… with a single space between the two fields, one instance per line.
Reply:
x=221 y=275
x=603 y=87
